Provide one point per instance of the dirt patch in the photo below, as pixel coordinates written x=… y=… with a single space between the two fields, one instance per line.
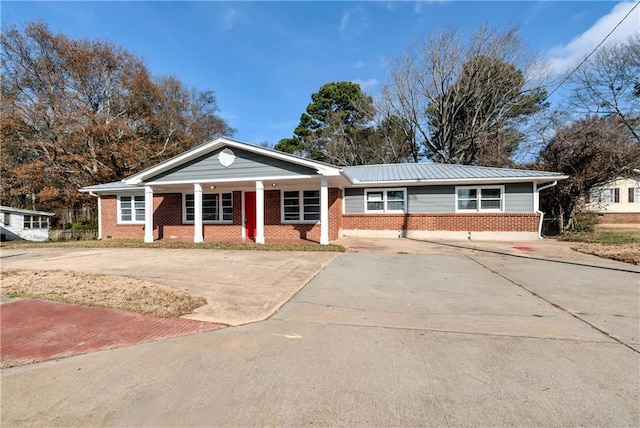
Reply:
x=629 y=253
x=99 y=290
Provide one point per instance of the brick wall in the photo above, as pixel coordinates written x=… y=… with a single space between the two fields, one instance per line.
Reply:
x=492 y=222
x=272 y=218
x=619 y=218
x=167 y=220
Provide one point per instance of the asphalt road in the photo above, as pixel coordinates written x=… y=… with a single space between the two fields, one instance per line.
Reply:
x=456 y=339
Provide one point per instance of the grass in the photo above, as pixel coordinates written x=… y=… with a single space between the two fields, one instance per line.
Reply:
x=134 y=243
x=106 y=291
x=616 y=243
x=601 y=235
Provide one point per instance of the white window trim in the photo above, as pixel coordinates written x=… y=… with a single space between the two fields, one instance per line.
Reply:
x=133 y=211
x=385 y=210
x=41 y=220
x=184 y=208
x=301 y=201
x=479 y=199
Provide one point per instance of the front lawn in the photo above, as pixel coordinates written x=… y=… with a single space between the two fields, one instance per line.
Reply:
x=136 y=243
x=616 y=243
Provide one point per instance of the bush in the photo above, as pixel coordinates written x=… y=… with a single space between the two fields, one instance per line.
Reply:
x=585 y=222
x=84 y=224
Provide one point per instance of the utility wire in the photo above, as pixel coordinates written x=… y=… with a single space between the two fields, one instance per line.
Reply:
x=593 y=51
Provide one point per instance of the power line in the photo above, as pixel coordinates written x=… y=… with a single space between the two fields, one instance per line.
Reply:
x=593 y=51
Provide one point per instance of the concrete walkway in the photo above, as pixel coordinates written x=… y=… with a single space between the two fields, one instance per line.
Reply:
x=377 y=339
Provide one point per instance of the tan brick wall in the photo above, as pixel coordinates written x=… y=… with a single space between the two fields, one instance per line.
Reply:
x=492 y=222
x=619 y=218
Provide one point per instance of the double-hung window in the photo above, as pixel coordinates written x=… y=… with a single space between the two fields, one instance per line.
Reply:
x=216 y=207
x=35 y=222
x=131 y=209
x=6 y=219
x=300 y=206
x=480 y=199
x=385 y=200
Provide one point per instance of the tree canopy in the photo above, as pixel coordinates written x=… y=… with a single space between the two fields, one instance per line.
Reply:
x=592 y=152
x=465 y=101
x=339 y=126
x=80 y=112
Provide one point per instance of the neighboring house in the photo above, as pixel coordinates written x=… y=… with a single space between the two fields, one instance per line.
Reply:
x=617 y=202
x=31 y=225
x=228 y=190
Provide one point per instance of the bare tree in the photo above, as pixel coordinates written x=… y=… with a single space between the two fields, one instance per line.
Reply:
x=608 y=84
x=465 y=101
x=592 y=152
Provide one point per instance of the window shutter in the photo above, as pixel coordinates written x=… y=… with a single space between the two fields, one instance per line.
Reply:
x=587 y=197
x=631 y=191
x=616 y=195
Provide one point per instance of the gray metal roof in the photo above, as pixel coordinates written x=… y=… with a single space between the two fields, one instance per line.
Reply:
x=437 y=172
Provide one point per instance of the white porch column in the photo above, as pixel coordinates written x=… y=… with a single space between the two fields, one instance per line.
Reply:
x=100 y=217
x=259 y=212
x=324 y=212
x=148 y=214
x=197 y=214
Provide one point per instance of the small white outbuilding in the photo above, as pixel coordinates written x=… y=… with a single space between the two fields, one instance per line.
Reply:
x=16 y=223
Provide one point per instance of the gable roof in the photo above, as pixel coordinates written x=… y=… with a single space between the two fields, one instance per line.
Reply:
x=203 y=149
x=442 y=173
x=4 y=208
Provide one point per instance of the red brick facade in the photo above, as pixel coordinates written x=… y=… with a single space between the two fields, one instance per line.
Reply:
x=476 y=222
x=167 y=220
x=168 y=225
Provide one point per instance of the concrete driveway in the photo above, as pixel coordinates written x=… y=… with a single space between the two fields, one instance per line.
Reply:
x=377 y=339
x=240 y=286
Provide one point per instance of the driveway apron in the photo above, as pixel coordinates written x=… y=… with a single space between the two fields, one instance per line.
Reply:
x=460 y=339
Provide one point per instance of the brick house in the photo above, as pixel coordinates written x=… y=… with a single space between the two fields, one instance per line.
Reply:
x=229 y=190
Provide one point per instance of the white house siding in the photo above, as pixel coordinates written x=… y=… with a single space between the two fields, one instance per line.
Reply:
x=16 y=230
x=626 y=202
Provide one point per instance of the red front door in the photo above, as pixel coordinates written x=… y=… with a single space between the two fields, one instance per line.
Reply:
x=250 y=214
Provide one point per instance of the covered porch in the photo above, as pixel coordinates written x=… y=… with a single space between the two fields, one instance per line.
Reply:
x=260 y=211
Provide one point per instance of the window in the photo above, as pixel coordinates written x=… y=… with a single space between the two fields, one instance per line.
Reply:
x=634 y=194
x=216 y=207
x=385 y=201
x=301 y=206
x=131 y=209
x=479 y=199
x=605 y=196
x=6 y=219
x=36 y=222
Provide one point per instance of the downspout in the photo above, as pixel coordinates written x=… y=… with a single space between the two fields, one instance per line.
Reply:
x=99 y=214
x=538 y=189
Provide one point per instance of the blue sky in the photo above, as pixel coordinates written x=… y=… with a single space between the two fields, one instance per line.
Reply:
x=265 y=59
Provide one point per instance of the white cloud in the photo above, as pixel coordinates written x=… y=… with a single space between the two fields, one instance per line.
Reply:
x=366 y=84
x=358 y=65
x=353 y=23
x=228 y=19
x=562 y=58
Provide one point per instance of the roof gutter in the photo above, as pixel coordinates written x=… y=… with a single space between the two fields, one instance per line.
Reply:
x=538 y=189
x=471 y=180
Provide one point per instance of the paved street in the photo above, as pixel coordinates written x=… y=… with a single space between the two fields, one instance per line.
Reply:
x=377 y=339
